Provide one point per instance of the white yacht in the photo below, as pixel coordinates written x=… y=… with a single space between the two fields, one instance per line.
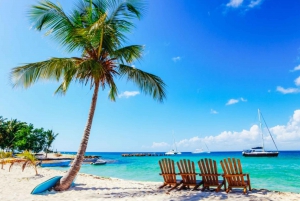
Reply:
x=173 y=151
x=200 y=151
x=260 y=151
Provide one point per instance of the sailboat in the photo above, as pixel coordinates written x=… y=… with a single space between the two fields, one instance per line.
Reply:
x=173 y=151
x=260 y=150
x=200 y=151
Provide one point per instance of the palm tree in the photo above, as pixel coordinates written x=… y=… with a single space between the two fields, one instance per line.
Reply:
x=12 y=127
x=29 y=160
x=50 y=137
x=3 y=156
x=97 y=28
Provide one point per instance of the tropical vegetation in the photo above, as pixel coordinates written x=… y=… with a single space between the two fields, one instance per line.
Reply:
x=96 y=29
x=17 y=136
x=3 y=156
x=29 y=160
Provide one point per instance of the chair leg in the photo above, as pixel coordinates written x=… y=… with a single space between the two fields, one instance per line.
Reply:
x=183 y=186
x=174 y=187
x=196 y=187
x=162 y=185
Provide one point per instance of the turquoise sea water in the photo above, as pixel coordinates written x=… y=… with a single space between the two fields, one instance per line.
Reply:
x=280 y=173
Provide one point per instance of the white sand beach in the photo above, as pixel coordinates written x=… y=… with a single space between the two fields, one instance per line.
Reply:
x=17 y=185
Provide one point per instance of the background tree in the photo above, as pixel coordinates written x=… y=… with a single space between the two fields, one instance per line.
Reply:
x=12 y=127
x=20 y=136
x=97 y=28
x=2 y=132
x=30 y=138
x=50 y=137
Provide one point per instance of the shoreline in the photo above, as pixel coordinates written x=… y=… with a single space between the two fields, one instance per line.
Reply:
x=17 y=185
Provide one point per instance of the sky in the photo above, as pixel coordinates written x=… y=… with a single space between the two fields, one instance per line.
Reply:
x=221 y=61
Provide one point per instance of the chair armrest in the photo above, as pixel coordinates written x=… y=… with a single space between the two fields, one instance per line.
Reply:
x=234 y=175
x=209 y=174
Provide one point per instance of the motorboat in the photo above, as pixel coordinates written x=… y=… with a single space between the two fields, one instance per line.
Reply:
x=98 y=162
x=55 y=163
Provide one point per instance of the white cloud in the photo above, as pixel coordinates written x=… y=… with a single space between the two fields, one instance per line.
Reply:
x=287 y=137
x=159 y=145
x=175 y=59
x=232 y=101
x=254 y=3
x=297 y=81
x=289 y=132
x=213 y=111
x=234 y=3
x=296 y=68
x=287 y=90
x=128 y=94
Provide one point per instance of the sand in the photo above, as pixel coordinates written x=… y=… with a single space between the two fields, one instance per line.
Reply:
x=17 y=185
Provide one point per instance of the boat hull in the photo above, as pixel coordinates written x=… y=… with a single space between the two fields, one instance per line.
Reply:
x=56 y=164
x=257 y=154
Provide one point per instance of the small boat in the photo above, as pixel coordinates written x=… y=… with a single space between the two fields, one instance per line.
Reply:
x=55 y=163
x=260 y=151
x=173 y=151
x=98 y=162
x=90 y=160
x=200 y=151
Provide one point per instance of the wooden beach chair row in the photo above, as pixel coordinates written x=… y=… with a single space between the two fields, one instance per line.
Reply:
x=233 y=175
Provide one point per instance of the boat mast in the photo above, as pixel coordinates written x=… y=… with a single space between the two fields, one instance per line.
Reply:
x=207 y=147
x=269 y=131
x=262 y=136
x=174 y=142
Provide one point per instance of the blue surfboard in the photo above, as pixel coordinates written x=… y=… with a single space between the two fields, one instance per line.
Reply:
x=46 y=185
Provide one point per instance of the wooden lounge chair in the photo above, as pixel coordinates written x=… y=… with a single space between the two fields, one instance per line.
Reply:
x=234 y=175
x=168 y=172
x=209 y=173
x=188 y=174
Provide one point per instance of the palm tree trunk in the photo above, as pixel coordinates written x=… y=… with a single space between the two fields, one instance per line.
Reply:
x=66 y=181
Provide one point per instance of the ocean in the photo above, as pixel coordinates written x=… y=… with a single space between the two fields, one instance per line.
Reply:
x=280 y=173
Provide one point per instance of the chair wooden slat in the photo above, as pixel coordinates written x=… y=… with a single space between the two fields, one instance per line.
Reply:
x=209 y=173
x=168 y=173
x=234 y=175
x=188 y=174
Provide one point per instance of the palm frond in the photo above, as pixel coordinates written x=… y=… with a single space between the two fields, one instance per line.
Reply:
x=51 y=17
x=30 y=160
x=113 y=92
x=129 y=53
x=148 y=83
x=49 y=69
